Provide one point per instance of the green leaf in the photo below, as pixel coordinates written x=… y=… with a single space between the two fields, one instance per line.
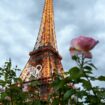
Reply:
x=92 y=78
x=75 y=58
x=18 y=80
x=75 y=73
x=88 y=68
x=68 y=94
x=36 y=102
x=93 y=100
x=88 y=72
x=92 y=65
x=86 y=84
x=101 y=78
x=3 y=95
x=60 y=85
x=55 y=102
x=81 y=94
x=2 y=82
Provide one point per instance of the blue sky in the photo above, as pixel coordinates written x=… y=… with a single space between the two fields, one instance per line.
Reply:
x=19 y=27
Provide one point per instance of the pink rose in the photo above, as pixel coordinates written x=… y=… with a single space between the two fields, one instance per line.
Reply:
x=82 y=45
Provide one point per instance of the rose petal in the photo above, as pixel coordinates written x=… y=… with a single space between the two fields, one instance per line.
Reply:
x=83 y=43
x=73 y=51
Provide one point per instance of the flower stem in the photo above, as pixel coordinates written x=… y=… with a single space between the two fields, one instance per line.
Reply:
x=82 y=68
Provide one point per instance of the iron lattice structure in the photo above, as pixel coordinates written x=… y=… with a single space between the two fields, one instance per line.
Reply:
x=45 y=52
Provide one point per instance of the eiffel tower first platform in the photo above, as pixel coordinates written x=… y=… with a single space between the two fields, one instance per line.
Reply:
x=45 y=55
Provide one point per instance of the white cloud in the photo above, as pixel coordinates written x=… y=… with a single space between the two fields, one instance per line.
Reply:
x=20 y=20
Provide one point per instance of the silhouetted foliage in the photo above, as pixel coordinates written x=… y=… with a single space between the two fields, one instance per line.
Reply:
x=65 y=89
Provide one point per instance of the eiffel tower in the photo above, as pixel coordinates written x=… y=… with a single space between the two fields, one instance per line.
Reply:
x=45 y=55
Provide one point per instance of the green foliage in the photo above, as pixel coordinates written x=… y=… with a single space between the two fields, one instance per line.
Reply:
x=11 y=88
x=81 y=75
x=73 y=88
x=101 y=78
x=75 y=73
x=68 y=94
